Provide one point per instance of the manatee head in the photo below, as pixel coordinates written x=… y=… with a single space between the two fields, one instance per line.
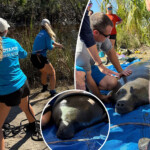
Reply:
x=125 y=100
x=65 y=130
x=132 y=95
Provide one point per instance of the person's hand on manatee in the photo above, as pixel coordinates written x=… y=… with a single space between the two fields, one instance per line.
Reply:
x=125 y=73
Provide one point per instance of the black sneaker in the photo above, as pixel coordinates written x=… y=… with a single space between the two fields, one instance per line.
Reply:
x=44 y=88
x=6 y=126
x=53 y=92
x=31 y=127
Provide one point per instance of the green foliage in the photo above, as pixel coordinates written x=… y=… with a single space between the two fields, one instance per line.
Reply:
x=127 y=40
x=135 y=21
x=23 y=2
x=57 y=11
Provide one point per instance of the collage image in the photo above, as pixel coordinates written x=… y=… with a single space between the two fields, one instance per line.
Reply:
x=75 y=75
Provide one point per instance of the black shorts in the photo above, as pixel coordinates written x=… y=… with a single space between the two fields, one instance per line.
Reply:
x=113 y=37
x=14 y=98
x=39 y=61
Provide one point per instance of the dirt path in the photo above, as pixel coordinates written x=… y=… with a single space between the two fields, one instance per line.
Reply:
x=23 y=141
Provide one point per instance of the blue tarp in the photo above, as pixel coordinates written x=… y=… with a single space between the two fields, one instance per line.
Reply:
x=126 y=137
x=124 y=65
x=121 y=138
x=96 y=135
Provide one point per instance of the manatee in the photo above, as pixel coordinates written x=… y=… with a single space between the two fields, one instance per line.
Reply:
x=133 y=91
x=74 y=111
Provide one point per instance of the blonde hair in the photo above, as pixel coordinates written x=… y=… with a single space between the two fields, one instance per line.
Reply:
x=1 y=49
x=50 y=31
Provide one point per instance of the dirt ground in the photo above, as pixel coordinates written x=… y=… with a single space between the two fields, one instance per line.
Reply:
x=23 y=141
x=142 y=53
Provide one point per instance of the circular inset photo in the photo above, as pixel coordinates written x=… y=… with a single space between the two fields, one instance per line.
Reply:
x=75 y=119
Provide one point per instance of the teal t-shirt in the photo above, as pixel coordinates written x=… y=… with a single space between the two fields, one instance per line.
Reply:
x=12 y=77
x=42 y=43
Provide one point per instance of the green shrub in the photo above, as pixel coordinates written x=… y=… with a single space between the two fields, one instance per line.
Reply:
x=127 y=39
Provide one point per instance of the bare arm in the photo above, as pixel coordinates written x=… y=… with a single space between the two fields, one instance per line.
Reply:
x=58 y=45
x=94 y=54
x=119 y=22
x=46 y=118
x=114 y=59
x=148 y=5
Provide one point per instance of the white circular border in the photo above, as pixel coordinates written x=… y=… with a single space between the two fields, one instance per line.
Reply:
x=83 y=92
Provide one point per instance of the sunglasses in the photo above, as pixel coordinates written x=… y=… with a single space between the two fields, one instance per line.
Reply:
x=103 y=34
x=109 y=8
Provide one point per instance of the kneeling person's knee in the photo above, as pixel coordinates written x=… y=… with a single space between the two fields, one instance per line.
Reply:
x=112 y=83
x=80 y=80
x=108 y=83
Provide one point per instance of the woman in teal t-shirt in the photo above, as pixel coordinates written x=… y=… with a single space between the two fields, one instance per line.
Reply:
x=45 y=40
x=14 y=88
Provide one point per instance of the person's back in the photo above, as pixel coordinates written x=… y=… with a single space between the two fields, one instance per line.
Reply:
x=42 y=43
x=10 y=73
x=14 y=88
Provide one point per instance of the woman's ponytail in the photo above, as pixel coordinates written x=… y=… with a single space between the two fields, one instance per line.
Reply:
x=1 y=49
x=50 y=31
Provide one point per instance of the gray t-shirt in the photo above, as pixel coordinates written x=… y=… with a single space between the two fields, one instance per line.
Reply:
x=83 y=58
